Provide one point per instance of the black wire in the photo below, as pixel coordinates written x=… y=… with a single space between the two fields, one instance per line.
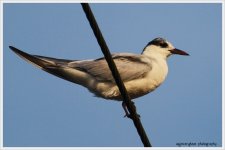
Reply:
x=126 y=99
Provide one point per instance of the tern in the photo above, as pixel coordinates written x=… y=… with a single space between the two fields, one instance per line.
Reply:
x=141 y=73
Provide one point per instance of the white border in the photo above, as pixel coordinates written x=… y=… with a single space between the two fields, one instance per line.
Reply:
x=1 y=75
x=103 y=1
x=223 y=81
x=112 y=1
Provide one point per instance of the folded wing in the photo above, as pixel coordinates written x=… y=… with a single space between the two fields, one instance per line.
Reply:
x=130 y=67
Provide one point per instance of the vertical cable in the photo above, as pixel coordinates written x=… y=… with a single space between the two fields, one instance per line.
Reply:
x=126 y=99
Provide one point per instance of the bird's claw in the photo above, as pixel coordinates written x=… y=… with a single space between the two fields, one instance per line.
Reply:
x=129 y=116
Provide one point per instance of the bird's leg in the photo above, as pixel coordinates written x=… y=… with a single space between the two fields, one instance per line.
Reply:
x=127 y=114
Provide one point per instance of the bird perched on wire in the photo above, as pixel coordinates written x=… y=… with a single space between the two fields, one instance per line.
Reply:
x=141 y=73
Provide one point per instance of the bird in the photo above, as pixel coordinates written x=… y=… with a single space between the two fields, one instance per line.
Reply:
x=141 y=73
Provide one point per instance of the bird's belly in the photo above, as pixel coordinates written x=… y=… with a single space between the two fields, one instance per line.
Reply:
x=140 y=87
x=135 y=89
x=144 y=86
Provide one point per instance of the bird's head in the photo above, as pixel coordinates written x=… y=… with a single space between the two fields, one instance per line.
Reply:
x=160 y=46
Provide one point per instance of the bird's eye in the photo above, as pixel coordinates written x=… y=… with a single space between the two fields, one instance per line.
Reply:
x=163 y=45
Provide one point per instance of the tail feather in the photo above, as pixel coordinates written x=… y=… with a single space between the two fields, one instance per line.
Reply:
x=57 y=67
x=50 y=65
x=41 y=63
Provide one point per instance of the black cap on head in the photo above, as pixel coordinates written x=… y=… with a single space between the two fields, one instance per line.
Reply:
x=158 y=42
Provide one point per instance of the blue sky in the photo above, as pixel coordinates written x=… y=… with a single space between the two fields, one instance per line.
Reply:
x=43 y=110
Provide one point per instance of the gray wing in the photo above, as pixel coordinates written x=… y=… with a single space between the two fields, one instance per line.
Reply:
x=130 y=67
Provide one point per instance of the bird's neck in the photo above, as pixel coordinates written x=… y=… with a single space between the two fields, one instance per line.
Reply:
x=159 y=63
x=154 y=53
x=159 y=68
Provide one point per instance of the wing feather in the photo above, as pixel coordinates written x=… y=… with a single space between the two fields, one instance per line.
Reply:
x=130 y=67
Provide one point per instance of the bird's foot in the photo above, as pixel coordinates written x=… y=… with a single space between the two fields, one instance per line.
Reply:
x=127 y=114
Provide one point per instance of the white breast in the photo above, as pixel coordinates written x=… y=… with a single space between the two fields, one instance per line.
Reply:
x=158 y=73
